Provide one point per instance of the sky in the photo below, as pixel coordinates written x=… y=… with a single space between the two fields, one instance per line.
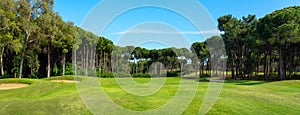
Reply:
x=155 y=23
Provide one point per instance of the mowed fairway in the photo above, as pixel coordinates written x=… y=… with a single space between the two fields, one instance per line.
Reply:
x=237 y=97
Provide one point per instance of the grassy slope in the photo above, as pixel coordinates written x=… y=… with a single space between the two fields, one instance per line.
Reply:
x=237 y=97
x=259 y=98
x=41 y=97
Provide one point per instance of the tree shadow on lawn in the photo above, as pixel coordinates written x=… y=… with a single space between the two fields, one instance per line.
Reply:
x=238 y=82
x=252 y=83
x=246 y=82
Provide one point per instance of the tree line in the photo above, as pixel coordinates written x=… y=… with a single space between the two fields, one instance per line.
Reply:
x=36 y=42
x=34 y=38
x=269 y=44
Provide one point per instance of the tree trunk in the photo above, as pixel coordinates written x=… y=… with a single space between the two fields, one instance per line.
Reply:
x=284 y=68
x=87 y=61
x=95 y=59
x=104 y=61
x=201 y=68
x=75 y=62
x=291 y=59
x=137 y=67
x=64 y=63
x=265 y=67
x=257 y=65
x=281 y=64
x=273 y=64
x=232 y=68
x=100 y=62
x=1 y=61
x=92 y=59
x=23 y=53
x=22 y=56
x=83 y=59
x=236 y=67
x=21 y=65
x=241 y=70
x=49 y=61
x=196 y=69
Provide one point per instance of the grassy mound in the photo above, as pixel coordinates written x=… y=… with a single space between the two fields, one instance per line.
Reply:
x=41 y=97
x=69 y=77
x=23 y=81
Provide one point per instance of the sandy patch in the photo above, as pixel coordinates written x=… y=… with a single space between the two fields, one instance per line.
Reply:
x=65 y=81
x=5 y=86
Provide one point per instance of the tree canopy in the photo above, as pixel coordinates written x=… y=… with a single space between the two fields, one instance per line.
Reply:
x=36 y=43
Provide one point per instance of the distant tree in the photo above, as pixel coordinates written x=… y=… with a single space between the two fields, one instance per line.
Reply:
x=229 y=25
x=8 y=27
x=202 y=52
x=27 y=24
x=49 y=29
x=274 y=26
x=66 y=40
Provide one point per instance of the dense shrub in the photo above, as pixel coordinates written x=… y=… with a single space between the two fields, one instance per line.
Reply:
x=141 y=75
x=56 y=71
x=111 y=75
x=204 y=77
x=69 y=69
x=92 y=72
x=106 y=75
x=80 y=70
x=119 y=74
x=35 y=75
x=172 y=74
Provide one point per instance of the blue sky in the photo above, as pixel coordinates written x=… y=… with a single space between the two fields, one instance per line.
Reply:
x=137 y=21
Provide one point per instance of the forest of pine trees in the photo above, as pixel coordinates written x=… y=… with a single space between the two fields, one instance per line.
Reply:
x=35 y=43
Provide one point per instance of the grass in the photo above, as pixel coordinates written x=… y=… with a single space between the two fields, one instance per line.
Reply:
x=41 y=97
x=68 y=77
x=237 y=97
x=25 y=81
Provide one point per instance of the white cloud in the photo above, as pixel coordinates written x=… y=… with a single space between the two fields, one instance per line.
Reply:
x=145 y=31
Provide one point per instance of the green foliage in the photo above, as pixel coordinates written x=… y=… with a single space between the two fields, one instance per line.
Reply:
x=106 y=75
x=5 y=75
x=57 y=70
x=80 y=71
x=92 y=72
x=141 y=75
x=204 y=78
x=172 y=74
x=69 y=69
x=34 y=37
x=34 y=75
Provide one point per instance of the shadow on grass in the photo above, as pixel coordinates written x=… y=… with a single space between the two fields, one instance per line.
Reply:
x=246 y=82
x=252 y=83
x=239 y=82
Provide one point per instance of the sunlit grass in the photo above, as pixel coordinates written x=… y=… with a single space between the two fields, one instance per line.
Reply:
x=237 y=97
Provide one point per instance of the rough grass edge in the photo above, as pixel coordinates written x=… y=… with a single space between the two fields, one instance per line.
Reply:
x=16 y=80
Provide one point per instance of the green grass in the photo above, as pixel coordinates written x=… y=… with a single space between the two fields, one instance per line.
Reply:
x=25 y=81
x=237 y=97
x=68 y=77
x=41 y=97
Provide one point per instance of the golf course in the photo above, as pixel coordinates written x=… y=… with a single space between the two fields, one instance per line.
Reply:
x=237 y=97
x=154 y=57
